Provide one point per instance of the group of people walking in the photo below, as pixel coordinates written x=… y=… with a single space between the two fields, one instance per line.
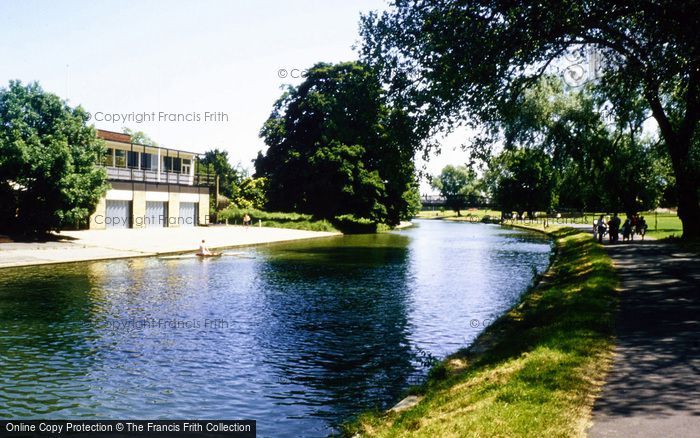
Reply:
x=634 y=224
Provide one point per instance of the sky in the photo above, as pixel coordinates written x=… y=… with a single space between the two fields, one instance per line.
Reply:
x=215 y=66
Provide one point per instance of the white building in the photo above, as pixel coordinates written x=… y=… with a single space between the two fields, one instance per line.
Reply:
x=150 y=187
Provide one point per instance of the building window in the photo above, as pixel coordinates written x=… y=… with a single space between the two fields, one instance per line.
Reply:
x=171 y=164
x=119 y=158
x=133 y=159
x=108 y=158
x=186 y=163
x=146 y=161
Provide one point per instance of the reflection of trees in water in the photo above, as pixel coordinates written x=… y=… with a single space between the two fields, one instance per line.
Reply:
x=65 y=354
x=337 y=323
x=46 y=339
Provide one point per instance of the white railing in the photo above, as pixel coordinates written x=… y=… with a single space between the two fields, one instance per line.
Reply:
x=126 y=174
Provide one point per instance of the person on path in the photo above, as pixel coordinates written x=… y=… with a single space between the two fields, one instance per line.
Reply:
x=641 y=227
x=626 y=230
x=614 y=228
x=601 y=228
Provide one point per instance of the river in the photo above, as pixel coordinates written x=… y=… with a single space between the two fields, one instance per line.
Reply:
x=299 y=336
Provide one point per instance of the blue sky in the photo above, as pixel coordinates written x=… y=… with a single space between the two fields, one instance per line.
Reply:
x=179 y=57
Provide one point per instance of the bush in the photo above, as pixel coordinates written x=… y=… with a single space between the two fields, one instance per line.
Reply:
x=351 y=224
x=347 y=223
x=234 y=215
x=316 y=225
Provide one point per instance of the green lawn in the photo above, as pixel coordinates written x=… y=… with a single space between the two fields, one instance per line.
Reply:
x=661 y=225
x=347 y=224
x=449 y=214
x=542 y=366
x=234 y=216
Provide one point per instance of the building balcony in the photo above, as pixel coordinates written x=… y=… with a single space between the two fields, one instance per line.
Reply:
x=153 y=176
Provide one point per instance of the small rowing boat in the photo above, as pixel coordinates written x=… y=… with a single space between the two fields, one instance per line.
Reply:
x=197 y=256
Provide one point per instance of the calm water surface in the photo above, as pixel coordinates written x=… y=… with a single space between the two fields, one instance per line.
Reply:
x=298 y=336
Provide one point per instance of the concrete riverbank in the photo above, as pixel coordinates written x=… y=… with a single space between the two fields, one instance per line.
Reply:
x=75 y=246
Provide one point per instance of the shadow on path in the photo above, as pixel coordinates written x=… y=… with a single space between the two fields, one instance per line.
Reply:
x=654 y=385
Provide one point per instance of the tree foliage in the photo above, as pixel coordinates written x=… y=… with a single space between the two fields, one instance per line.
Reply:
x=456 y=59
x=337 y=147
x=251 y=193
x=601 y=163
x=457 y=184
x=139 y=137
x=48 y=176
x=217 y=161
x=522 y=180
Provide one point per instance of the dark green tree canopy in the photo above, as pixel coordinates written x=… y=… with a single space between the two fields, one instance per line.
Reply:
x=459 y=61
x=600 y=163
x=48 y=155
x=521 y=180
x=336 y=147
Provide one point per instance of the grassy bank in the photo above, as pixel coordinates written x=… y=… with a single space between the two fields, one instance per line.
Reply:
x=539 y=366
x=347 y=224
x=465 y=214
x=661 y=225
x=234 y=216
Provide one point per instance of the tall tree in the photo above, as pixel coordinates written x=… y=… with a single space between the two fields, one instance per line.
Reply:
x=230 y=177
x=456 y=184
x=336 y=147
x=48 y=155
x=454 y=56
x=601 y=163
x=522 y=180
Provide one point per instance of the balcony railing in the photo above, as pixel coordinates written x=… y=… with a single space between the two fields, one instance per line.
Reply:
x=134 y=174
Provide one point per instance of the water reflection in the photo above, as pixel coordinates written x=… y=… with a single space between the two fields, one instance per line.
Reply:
x=299 y=336
x=342 y=330
x=44 y=326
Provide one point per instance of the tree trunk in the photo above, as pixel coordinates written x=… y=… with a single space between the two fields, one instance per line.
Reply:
x=686 y=186
x=679 y=142
x=688 y=205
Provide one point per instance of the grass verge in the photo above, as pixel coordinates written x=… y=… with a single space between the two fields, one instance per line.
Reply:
x=663 y=226
x=466 y=215
x=535 y=371
x=346 y=224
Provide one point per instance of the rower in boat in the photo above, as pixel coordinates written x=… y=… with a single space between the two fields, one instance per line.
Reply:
x=204 y=251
